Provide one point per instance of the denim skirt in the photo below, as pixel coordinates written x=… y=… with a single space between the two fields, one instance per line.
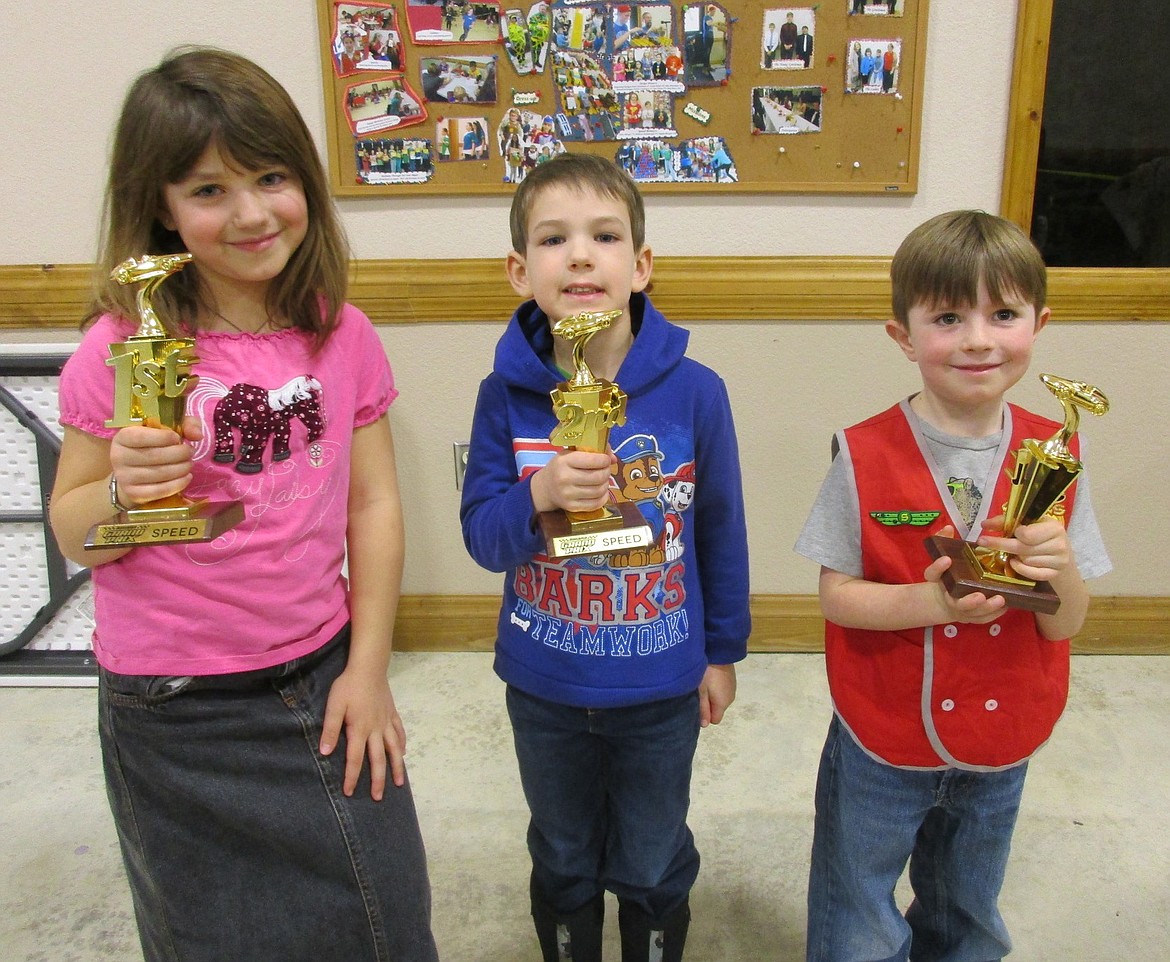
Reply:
x=237 y=839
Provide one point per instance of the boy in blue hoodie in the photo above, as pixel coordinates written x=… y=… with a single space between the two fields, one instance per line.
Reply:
x=612 y=662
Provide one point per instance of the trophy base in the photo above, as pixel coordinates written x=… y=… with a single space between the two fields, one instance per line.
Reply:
x=965 y=576
x=621 y=528
x=192 y=522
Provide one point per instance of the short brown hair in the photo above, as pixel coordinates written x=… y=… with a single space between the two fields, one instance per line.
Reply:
x=942 y=261
x=577 y=171
x=196 y=97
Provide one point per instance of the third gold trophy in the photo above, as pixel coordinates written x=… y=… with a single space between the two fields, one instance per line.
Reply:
x=152 y=376
x=586 y=408
x=1043 y=472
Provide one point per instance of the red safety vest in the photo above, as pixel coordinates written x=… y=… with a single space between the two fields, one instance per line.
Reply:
x=968 y=696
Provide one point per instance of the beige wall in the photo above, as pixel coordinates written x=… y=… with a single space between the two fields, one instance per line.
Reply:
x=791 y=383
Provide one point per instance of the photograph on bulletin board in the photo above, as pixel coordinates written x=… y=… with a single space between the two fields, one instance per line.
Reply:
x=464 y=97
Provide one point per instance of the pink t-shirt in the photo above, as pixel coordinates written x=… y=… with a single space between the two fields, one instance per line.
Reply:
x=277 y=427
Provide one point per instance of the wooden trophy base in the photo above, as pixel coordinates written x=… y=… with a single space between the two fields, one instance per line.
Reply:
x=965 y=576
x=201 y=521
x=622 y=529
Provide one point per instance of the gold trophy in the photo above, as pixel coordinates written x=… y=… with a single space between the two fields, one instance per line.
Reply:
x=1042 y=473
x=151 y=378
x=586 y=408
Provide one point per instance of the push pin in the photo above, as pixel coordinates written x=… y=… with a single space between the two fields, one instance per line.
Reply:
x=783 y=150
x=857 y=165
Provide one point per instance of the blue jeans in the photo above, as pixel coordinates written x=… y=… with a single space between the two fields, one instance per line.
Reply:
x=608 y=790
x=237 y=840
x=955 y=829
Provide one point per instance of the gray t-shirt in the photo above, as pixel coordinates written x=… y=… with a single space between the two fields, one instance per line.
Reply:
x=967 y=468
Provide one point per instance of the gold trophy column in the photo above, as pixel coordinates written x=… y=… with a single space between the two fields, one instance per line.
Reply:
x=1043 y=472
x=152 y=375
x=586 y=408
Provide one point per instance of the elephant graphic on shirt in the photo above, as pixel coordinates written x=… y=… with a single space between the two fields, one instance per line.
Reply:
x=260 y=414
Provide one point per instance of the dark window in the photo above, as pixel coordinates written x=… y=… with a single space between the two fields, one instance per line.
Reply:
x=1102 y=195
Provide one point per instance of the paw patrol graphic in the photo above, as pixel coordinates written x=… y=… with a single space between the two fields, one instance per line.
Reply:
x=617 y=605
x=638 y=474
x=678 y=491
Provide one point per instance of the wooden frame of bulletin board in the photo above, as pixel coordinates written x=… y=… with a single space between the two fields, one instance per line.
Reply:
x=689 y=97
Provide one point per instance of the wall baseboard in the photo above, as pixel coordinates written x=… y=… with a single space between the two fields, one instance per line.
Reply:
x=781 y=623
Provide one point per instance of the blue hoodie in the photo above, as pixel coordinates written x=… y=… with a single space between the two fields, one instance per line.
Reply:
x=596 y=632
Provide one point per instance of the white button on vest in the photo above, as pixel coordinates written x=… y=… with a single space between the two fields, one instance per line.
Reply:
x=994 y=630
x=948 y=704
x=950 y=631
x=991 y=704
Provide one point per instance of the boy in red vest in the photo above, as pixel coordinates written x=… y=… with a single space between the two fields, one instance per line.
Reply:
x=938 y=703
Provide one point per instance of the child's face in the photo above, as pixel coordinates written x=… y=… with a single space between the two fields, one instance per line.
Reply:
x=580 y=254
x=242 y=226
x=969 y=357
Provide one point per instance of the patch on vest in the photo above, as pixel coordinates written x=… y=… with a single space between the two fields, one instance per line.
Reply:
x=894 y=519
x=967 y=497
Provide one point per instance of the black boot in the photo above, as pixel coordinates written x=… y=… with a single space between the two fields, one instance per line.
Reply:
x=573 y=935
x=647 y=939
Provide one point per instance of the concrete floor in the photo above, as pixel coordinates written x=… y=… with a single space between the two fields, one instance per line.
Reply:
x=1089 y=879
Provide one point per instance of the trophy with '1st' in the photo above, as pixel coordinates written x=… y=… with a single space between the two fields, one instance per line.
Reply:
x=152 y=375
x=1043 y=471
x=586 y=408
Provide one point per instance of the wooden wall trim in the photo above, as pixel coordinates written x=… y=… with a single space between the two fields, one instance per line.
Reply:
x=1029 y=79
x=781 y=623
x=54 y=296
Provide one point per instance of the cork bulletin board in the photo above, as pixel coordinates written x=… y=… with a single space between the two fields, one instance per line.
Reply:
x=463 y=97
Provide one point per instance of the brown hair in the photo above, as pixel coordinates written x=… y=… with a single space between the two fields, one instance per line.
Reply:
x=198 y=96
x=579 y=171
x=942 y=261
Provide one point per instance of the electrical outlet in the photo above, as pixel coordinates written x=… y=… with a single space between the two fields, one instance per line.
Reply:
x=461 y=448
